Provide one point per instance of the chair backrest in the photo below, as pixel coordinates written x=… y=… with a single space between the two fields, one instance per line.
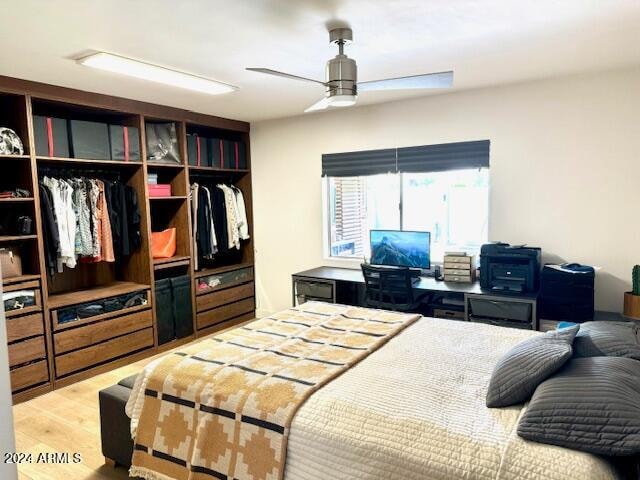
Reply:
x=389 y=288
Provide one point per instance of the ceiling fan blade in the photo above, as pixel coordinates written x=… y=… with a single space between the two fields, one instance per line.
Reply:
x=429 y=80
x=268 y=71
x=322 y=104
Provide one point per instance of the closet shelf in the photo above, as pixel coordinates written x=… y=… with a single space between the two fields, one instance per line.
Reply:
x=95 y=293
x=20 y=279
x=14 y=157
x=172 y=197
x=175 y=261
x=13 y=238
x=85 y=161
x=165 y=165
x=217 y=170
x=227 y=268
x=16 y=200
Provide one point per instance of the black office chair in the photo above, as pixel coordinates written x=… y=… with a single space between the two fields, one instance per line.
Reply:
x=390 y=288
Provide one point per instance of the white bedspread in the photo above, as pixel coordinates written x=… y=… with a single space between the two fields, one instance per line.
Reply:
x=415 y=409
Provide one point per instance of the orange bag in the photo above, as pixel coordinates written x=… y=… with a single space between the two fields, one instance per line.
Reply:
x=163 y=244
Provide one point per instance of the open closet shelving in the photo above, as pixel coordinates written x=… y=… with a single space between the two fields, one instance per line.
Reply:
x=45 y=352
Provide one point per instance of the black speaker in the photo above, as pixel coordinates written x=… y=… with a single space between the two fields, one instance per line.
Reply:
x=567 y=292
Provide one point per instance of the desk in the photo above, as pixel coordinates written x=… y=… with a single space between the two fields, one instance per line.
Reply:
x=346 y=286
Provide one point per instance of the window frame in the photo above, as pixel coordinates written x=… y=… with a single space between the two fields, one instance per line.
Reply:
x=356 y=261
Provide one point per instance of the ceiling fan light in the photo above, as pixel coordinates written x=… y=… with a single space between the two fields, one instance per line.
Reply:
x=342 y=100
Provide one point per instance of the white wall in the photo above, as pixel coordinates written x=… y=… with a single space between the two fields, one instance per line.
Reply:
x=565 y=172
x=7 y=471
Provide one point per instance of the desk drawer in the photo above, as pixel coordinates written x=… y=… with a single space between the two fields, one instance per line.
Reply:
x=24 y=327
x=314 y=289
x=500 y=309
x=27 y=351
x=450 y=314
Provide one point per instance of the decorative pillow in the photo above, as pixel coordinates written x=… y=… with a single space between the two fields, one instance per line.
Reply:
x=592 y=405
x=525 y=366
x=607 y=339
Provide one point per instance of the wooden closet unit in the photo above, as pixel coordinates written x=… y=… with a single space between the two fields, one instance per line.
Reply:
x=50 y=347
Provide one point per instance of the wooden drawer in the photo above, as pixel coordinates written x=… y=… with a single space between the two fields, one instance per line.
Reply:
x=74 y=338
x=222 y=297
x=226 y=312
x=29 y=375
x=457 y=259
x=219 y=281
x=24 y=327
x=103 y=352
x=36 y=307
x=26 y=351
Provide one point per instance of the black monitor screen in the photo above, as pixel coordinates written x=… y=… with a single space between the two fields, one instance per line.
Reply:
x=400 y=249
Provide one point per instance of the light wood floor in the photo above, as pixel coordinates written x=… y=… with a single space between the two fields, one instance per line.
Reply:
x=67 y=420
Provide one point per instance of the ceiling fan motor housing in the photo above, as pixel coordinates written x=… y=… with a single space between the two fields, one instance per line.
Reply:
x=342 y=76
x=342 y=71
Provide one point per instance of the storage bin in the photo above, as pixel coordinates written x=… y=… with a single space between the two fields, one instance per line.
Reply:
x=51 y=136
x=125 y=143
x=162 y=143
x=174 y=313
x=89 y=140
x=159 y=190
x=198 y=151
x=163 y=244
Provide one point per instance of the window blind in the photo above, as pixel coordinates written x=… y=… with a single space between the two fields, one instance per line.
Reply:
x=425 y=158
x=446 y=156
x=354 y=164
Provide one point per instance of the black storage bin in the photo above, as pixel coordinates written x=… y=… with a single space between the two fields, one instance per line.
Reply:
x=89 y=140
x=216 y=147
x=125 y=143
x=51 y=136
x=229 y=154
x=164 y=311
x=242 y=156
x=567 y=292
x=182 y=310
x=162 y=143
x=198 y=151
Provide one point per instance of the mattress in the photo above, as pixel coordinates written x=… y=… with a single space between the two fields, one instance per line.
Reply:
x=415 y=409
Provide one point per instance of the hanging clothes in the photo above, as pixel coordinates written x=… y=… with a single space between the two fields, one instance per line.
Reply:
x=49 y=228
x=219 y=222
x=88 y=219
x=243 y=224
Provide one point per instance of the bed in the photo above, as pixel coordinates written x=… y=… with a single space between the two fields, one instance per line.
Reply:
x=414 y=408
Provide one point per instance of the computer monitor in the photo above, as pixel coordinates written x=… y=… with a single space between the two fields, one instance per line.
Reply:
x=401 y=248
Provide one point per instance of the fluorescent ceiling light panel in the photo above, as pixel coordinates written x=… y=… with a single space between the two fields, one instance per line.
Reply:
x=154 y=73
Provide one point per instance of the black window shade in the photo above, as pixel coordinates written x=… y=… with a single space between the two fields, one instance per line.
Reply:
x=446 y=156
x=425 y=158
x=353 y=164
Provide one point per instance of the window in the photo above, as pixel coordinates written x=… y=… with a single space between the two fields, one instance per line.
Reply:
x=453 y=205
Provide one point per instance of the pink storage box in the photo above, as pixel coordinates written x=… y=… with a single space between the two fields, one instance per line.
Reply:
x=160 y=190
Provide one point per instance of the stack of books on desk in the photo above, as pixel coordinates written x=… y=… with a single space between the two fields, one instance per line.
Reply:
x=459 y=267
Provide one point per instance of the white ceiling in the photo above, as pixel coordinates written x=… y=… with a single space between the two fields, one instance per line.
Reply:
x=486 y=42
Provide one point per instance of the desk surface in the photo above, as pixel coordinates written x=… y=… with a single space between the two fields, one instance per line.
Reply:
x=355 y=276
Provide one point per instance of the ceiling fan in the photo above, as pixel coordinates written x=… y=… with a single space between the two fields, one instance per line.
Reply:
x=341 y=84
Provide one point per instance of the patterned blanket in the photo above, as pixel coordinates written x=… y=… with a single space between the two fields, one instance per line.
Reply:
x=222 y=408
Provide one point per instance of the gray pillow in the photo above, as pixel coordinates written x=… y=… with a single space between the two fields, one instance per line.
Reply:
x=607 y=339
x=525 y=366
x=592 y=405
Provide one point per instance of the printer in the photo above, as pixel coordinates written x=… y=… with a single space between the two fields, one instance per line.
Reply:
x=508 y=268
